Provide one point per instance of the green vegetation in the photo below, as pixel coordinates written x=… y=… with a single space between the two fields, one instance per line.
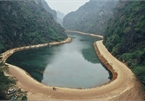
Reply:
x=7 y=83
x=4 y=81
x=23 y=23
x=48 y=9
x=24 y=98
x=124 y=36
x=91 y=17
x=27 y=22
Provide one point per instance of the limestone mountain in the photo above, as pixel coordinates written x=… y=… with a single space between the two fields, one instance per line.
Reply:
x=60 y=17
x=48 y=9
x=125 y=35
x=92 y=17
x=27 y=22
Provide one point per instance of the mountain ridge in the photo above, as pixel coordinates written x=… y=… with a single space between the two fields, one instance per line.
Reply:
x=92 y=17
x=27 y=22
x=124 y=36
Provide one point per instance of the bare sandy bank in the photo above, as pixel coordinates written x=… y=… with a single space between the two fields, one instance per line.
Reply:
x=122 y=75
x=125 y=87
x=8 y=53
x=89 y=34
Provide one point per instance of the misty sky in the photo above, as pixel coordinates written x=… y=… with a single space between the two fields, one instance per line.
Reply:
x=65 y=6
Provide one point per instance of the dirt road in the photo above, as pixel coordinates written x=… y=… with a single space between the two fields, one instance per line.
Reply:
x=89 y=34
x=8 y=53
x=124 y=87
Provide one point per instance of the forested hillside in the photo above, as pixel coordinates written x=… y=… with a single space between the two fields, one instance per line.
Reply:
x=92 y=17
x=26 y=22
x=58 y=16
x=125 y=35
x=48 y=9
x=23 y=23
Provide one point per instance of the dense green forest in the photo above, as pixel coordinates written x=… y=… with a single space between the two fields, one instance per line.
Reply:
x=58 y=16
x=27 y=22
x=24 y=23
x=48 y=9
x=92 y=17
x=7 y=83
x=125 y=35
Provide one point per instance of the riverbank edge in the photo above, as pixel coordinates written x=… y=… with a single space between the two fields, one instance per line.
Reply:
x=89 y=34
x=105 y=62
x=5 y=55
x=77 y=91
x=8 y=53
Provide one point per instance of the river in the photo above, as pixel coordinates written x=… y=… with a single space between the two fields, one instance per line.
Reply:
x=73 y=65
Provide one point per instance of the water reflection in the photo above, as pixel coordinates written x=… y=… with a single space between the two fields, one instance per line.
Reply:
x=33 y=61
x=73 y=65
x=90 y=55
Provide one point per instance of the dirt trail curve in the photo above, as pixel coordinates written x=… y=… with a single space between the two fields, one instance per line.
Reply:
x=125 y=87
x=90 y=34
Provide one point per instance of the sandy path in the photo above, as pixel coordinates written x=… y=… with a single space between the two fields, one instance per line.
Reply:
x=128 y=88
x=8 y=53
x=122 y=88
x=90 y=34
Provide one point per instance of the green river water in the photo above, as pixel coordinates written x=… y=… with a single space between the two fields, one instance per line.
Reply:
x=72 y=65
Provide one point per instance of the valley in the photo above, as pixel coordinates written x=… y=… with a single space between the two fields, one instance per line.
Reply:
x=96 y=52
x=124 y=83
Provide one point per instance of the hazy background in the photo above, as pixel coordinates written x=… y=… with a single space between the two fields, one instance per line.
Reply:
x=66 y=6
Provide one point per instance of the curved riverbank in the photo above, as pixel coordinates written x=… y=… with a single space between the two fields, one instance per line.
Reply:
x=105 y=62
x=123 y=78
x=8 y=53
x=123 y=87
x=89 y=34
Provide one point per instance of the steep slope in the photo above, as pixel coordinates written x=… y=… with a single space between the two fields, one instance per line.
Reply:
x=60 y=17
x=60 y=14
x=48 y=9
x=92 y=17
x=124 y=35
x=27 y=22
